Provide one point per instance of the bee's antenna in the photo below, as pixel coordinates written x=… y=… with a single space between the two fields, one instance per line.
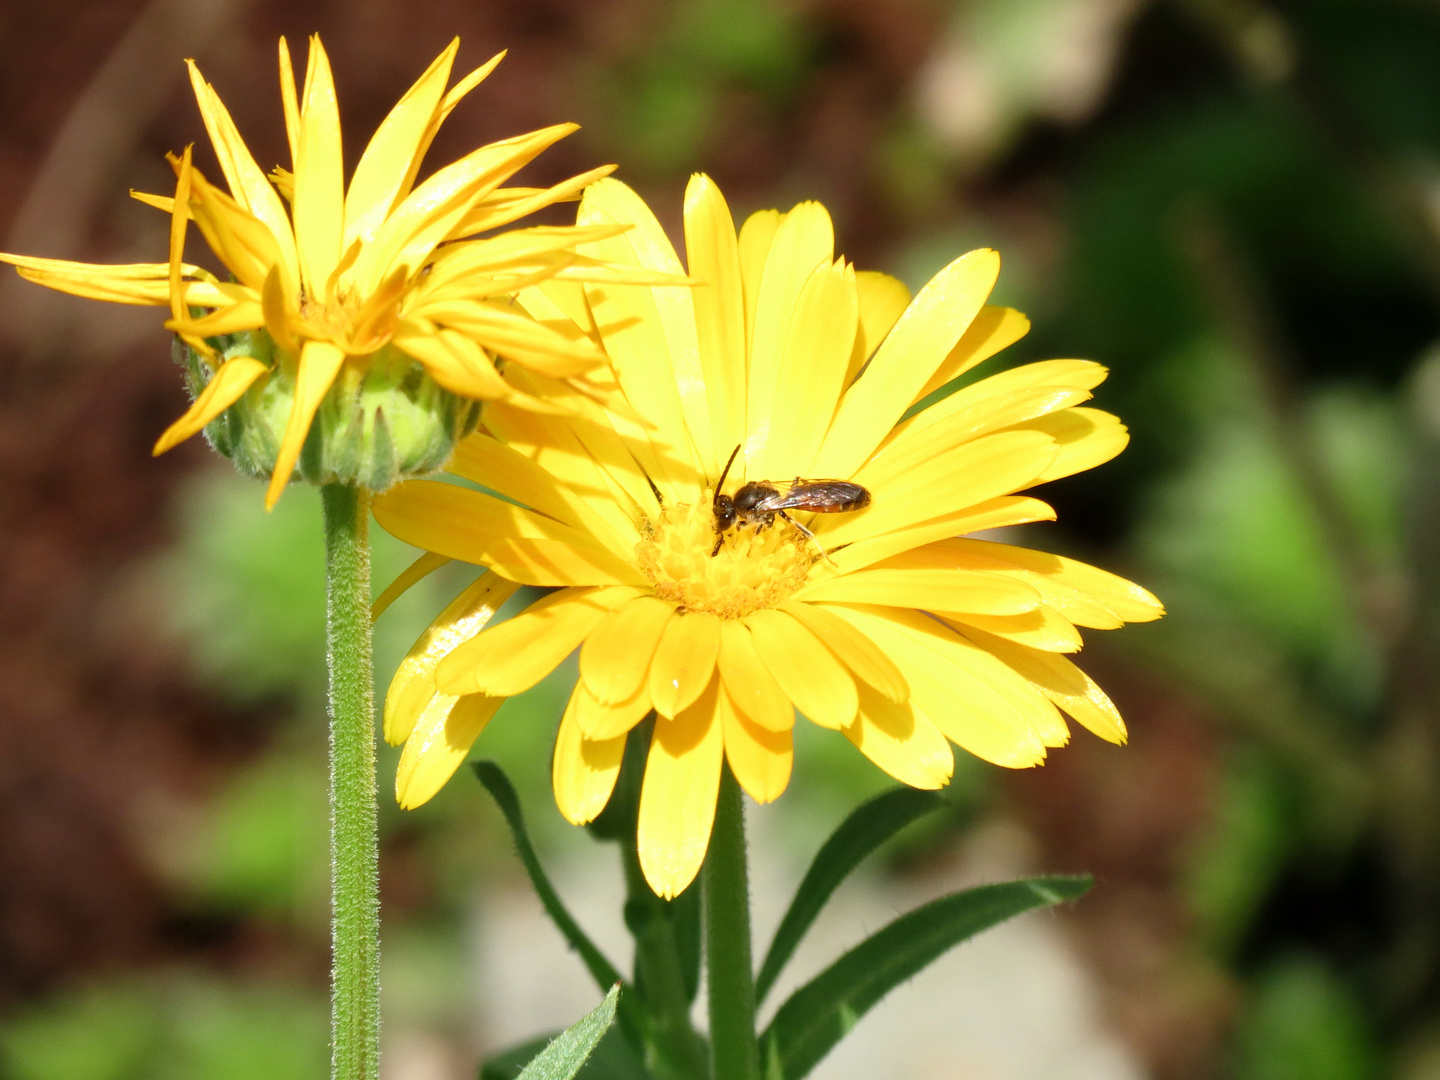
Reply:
x=726 y=471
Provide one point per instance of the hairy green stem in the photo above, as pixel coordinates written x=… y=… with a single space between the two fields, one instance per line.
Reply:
x=731 y=986
x=354 y=826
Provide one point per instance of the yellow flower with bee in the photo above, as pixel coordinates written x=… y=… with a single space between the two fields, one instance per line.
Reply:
x=831 y=574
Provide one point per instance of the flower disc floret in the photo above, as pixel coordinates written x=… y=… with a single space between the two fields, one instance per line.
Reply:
x=752 y=569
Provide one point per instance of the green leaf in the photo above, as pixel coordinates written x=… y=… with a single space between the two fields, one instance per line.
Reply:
x=564 y=1056
x=500 y=788
x=870 y=825
x=823 y=1011
x=612 y=1059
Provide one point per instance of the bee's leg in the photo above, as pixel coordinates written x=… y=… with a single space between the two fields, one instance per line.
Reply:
x=719 y=540
x=818 y=546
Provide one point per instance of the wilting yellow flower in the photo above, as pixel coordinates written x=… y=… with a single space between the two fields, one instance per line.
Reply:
x=329 y=281
x=906 y=633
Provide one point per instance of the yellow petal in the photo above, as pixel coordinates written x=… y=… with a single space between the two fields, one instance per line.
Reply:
x=583 y=771
x=713 y=252
x=275 y=306
x=289 y=102
x=586 y=458
x=804 y=240
x=452 y=360
x=1056 y=577
x=505 y=205
x=677 y=798
x=928 y=330
x=968 y=710
x=222 y=391
x=603 y=722
x=684 y=660
x=883 y=299
x=319 y=176
x=1076 y=374
x=247 y=182
x=524 y=546
x=1059 y=680
x=432 y=211
x=650 y=336
x=760 y=759
x=931 y=589
x=615 y=658
x=178 y=222
x=412 y=575
x=504 y=470
x=441 y=740
x=994 y=328
x=513 y=656
x=748 y=682
x=865 y=659
x=902 y=741
x=986 y=684
x=911 y=447
x=414 y=683
x=1084 y=438
x=805 y=669
x=970 y=474
x=1044 y=628
x=319 y=364
x=227 y=320
x=452 y=98
x=515 y=337
x=243 y=242
x=991 y=514
x=384 y=167
x=137 y=283
x=811 y=374
x=756 y=236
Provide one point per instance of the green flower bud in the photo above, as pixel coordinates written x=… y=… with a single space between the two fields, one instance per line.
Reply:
x=383 y=420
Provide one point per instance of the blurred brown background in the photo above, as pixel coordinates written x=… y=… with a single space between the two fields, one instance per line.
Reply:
x=1236 y=206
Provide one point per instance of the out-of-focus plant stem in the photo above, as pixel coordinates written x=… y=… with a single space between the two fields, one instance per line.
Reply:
x=354 y=821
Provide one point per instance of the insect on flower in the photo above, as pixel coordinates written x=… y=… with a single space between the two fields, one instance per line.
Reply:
x=758 y=501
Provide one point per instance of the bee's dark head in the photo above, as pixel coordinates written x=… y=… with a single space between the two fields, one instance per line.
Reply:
x=724 y=505
x=724 y=511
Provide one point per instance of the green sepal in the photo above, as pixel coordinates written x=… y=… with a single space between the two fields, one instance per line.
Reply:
x=868 y=826
x=383 y=420
x=581 y=1050
x=822 y=1012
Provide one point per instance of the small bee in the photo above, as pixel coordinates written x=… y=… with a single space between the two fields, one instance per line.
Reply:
x=758 y=501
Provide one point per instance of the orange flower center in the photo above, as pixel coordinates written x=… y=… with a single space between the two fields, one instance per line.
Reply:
x=754 y=568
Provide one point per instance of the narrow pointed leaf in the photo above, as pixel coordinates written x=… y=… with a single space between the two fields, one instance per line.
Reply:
x=823 y=1011
x=869 y=826
x=612 y=1059
x=565 y=1055
x=503 y=792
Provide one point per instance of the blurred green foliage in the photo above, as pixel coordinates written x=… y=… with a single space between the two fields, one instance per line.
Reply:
x=1304 y=1024
x=179 y=1027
